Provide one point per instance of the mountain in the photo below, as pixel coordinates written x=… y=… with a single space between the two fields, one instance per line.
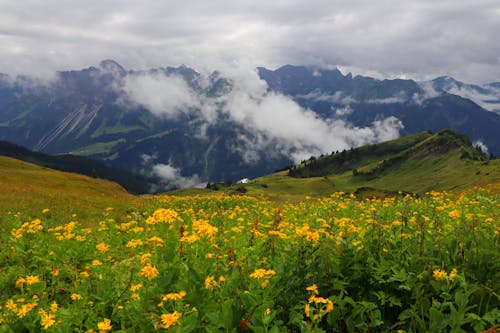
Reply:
x=189 y=128
x=417 y=164
x=419 y=105
x=79 y=164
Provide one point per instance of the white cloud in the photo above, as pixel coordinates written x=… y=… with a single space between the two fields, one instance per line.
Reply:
x=481 y=145
x=163 y=95
x=173 y=178
x=272 y=122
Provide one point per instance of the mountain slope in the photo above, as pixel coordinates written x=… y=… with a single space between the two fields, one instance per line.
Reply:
x=417 y=164
x=217 y=128
x=28 y=189
x=78 y=164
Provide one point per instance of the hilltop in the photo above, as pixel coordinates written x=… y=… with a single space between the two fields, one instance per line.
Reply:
x=415 y=164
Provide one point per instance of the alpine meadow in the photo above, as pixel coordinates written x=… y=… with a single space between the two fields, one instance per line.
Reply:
x=250 y=166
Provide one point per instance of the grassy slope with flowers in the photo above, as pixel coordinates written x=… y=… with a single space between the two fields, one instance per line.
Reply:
x=73 y=260
x=28 y=188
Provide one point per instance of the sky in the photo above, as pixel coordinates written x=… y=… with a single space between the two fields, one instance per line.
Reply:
x=419 y=39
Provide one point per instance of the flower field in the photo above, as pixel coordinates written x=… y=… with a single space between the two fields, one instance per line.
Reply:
x=236 y=263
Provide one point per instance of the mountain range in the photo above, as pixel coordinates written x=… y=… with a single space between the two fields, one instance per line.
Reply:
x=190 y=128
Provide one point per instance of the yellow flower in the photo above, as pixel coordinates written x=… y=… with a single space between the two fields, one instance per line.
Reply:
x=21 y=312
x=20 y=282
x=260 y=273
x=54 y=307
x=156 y=241
x=45 y=210
x=85 y=274
x=102 y=247
x=148 y=271
x=453 y=274
x=210 y=283
x=31 y=279
x=46 y=319
x=55 y=272
x=439 y=274
x=104 y=325
x=313 y=288
x=96 y=262
x=307 y=310
x=136 y=287
x=11 y=305
x=267 y=312
x=174 y=296
x=145 y=258
x=329 y=307
x=170 y=319
x=76 y=297
x=134 y=243
x=454 y=213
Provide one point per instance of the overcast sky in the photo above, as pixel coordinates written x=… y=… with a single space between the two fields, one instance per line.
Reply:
x=418 y=39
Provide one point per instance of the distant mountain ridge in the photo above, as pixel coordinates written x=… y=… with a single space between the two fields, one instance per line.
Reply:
x=111 y=114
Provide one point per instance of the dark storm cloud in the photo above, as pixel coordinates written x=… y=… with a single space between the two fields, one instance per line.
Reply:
x=418 y=39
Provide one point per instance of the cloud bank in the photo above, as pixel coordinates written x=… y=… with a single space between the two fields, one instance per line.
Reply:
x=271 y=121
x=413 y=39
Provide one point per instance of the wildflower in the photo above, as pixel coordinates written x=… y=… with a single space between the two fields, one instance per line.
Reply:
x=55 y=272
x=54 y=307
x=136 y=287
x=439 y=274
x=134 y=243
x=25 y=309
x=170 y=319
x=11 y=305
x=267 y=312
x=307 y=310
x=104 y=325
x=210 y=283
x=453 y=274
x=46 y=319
x=20 y=282
x=148 y=271
x=31 y=279
x=76 y=297
x=313 y=288
x=260 y=273
x=145 y=258
x=454 y=213
x=156 y=241
x=102 y=247
x=96 y=262
x=45 y=210
x=135 y=296
x=85 y=274
x=174 y=296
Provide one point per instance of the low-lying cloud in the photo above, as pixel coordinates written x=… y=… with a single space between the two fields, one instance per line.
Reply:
x=172 y=177
x=272 y=121
x=164 y=95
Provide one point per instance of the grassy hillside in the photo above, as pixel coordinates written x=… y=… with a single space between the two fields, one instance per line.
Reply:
x=78 y=164
x=28 y=189
x=417 y=164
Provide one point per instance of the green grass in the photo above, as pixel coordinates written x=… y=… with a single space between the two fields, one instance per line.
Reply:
x=28 y=189
x=98 y=148
x=415 y=164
